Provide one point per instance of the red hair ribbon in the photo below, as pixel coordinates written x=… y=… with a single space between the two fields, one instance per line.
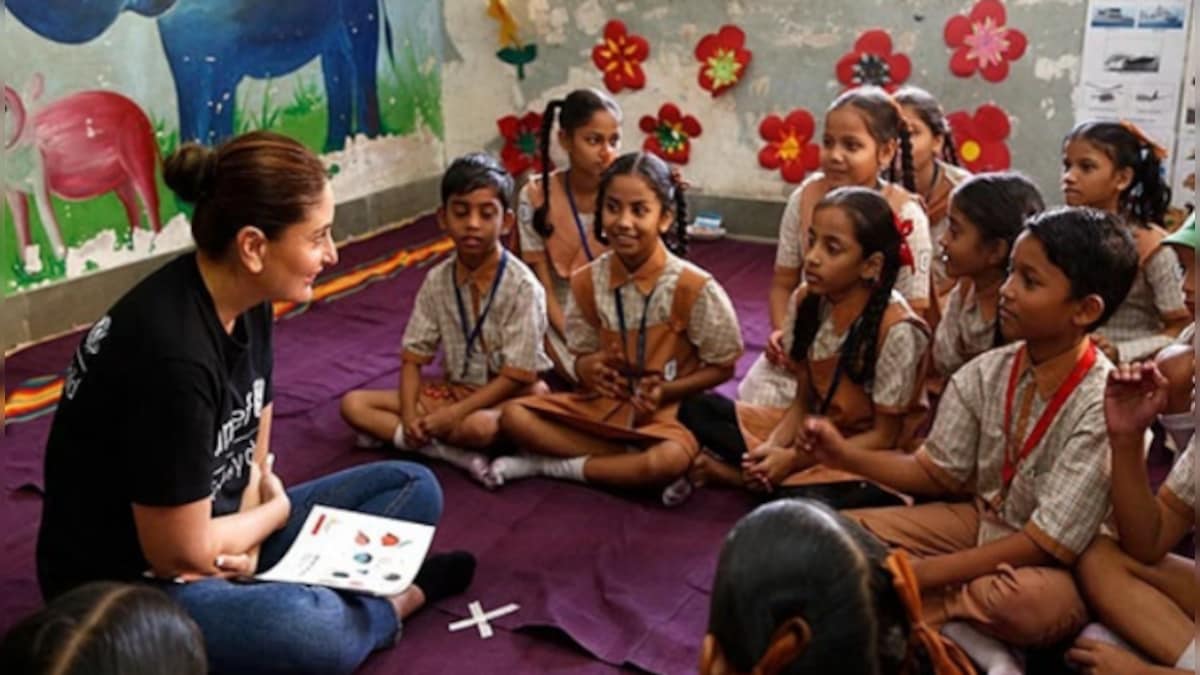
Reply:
x=1157 y=150
x=905 y=228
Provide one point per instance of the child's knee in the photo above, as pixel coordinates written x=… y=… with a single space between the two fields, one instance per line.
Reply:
x=665 y=462
x=480 y=428
x=514 y=417
x=352 y=403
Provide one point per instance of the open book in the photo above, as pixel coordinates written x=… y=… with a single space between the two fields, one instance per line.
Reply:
x=355 y=552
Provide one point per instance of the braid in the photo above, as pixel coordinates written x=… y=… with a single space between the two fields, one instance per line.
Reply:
x=908 y=173
x=677 y=242
x=804 y=330
x=540 y=224
x=949 y=152
x=858 y=351
x=1148 y=196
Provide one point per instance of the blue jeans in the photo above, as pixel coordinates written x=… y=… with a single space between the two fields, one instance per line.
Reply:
x=278 y=628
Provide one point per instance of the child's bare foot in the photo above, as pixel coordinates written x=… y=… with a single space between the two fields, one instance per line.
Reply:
x=707 y=469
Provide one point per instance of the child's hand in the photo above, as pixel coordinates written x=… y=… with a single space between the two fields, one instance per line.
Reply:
x=1107 y=347
x=596 y=374
x=820 y=438
x=775 y=352
x=414 y=434
x=439 y=423
x=769 y=464
x=648 y=396
x=1100 y=658
x=1134 y=396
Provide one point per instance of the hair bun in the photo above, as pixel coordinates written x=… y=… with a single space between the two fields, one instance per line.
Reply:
x=191 y=171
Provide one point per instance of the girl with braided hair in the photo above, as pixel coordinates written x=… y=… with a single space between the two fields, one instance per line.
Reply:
x=864 y=135
x=1115 y=167
x=555 y=233
x=859 y=353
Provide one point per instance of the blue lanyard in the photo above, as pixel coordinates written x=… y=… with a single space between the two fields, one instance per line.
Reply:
x=587 y=250
x=641 y=338
x=473 y=335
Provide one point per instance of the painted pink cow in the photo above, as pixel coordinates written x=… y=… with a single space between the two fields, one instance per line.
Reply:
x=79 y=147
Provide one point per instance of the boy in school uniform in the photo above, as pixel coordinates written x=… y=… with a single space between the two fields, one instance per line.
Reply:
x=486 y=310
x=1020 y=440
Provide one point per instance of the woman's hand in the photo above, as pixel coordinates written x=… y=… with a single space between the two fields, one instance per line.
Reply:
x=272 y=491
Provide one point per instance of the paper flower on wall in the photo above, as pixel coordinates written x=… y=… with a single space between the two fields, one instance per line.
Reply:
x=873 y=62
x=983 y=43
x=620 y=57
x=512 y=50
x=520 y=152
x=670 y=134
x=789 y=145
x=980 y=138
x=723 y=59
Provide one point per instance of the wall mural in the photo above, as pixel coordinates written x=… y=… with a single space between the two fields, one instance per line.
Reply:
x=355 y=80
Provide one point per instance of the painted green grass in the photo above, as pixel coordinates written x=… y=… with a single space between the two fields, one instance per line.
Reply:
x=408 y=99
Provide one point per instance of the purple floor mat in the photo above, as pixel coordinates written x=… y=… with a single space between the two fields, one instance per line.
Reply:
x=604 y=580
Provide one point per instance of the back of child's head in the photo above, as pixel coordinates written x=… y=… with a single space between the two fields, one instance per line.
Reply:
x=657 y=176
x=1093 y=250
x=1148 y=195
x=106 y=628
x=885 y=123
x=997 y=204
x=799 y=564
x=573 y=111
x=876 y=232
x=932 y=114
x=474 y=171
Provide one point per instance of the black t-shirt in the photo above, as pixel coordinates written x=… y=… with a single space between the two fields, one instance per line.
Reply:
x=160 y=407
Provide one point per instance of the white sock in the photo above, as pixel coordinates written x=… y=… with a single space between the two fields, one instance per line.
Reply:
x=1187 y=660
x=1101 y=633
x=474 y=463
x=367 y=441
x=398 y=438
x=515 y=467
x=677 y=492
x=992 y=655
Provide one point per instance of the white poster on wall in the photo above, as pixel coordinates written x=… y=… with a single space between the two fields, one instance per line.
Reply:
x=1183 y=185
x=1133 y=64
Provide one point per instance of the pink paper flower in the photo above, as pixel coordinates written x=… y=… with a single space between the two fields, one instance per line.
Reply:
x=983 y=42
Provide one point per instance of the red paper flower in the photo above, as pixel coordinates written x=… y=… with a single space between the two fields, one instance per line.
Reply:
x=620 y=57
x=980 y=138
x=520 y=152
x=788 y=145
x=722 y=59
x=905 y=228
x=983 y=42
x=670 y=133
x=872 y=62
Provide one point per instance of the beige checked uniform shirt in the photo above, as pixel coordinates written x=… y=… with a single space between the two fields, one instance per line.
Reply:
x=963 y=333
x=1059 y=494
x=713 y=326
x=511 y=342
x=1179 y=490
x=1136 y=327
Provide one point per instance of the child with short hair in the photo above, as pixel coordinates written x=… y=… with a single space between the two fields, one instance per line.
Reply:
x=554 y=213
x=859 y=354
x=486 y=311
x=802 y=589
x=1114 y=166
x=1177 y=361
x=987 y=212
x=648 y=329
x=935 y=170
x=1135 y=586
x=864 y=134
x=1019 y=432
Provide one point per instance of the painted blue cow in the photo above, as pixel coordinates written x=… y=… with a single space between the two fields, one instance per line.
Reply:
x=74 y=22
x=213 y=44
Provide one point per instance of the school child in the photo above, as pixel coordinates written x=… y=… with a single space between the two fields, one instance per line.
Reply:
x=1115 y=167
x=860 y=355
x=648 y=329
x=987 y=212
x=1177 y=361
x=554 y=213
x=1136 y=587
x=803 y=590
x=935 y=170
x=1020 y=434
x=864 y=133
x=486 y=310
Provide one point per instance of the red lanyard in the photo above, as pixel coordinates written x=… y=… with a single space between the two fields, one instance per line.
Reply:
x=1056 y=403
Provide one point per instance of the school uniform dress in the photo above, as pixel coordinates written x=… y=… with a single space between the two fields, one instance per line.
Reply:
x=1027 y=446
x=489 y=321
x=937 y=208
x=162 y=408
x=770 y=385
x=668 y=317
x=967 y=327
x=1178 y=492
x=571 y=245
x=902 y=360
x=1135 y=329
